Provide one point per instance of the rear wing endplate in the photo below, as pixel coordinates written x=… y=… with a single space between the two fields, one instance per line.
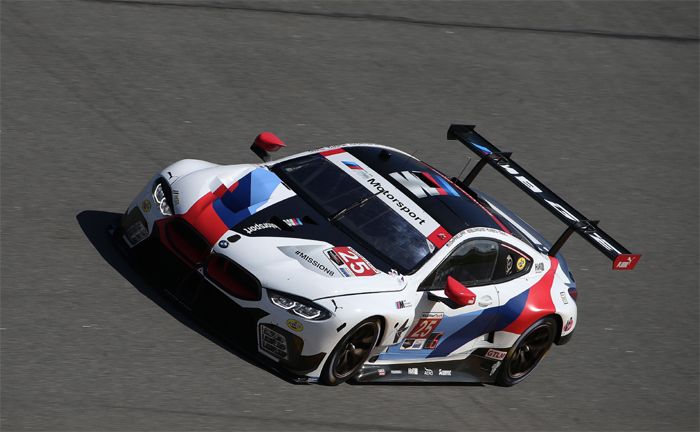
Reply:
x=575 y=221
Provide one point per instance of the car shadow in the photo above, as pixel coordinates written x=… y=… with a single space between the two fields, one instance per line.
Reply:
x=95 y=225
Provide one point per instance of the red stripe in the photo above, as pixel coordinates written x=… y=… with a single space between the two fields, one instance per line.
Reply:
x=539 y=302
x=332 y=152
x=204 y=219
x=435 y=183
x=495 y=219
x=220 y=191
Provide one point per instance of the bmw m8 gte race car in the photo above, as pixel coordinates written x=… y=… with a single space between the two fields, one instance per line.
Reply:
x=360 y=261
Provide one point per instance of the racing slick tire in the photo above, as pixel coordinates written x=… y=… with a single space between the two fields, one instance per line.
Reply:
x=351 y=352
x=527 y=352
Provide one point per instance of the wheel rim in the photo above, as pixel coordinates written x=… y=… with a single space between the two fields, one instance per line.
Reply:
x=355 y=350
x=530 y=351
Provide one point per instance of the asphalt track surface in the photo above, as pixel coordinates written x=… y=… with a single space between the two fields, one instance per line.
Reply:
x=598 y=99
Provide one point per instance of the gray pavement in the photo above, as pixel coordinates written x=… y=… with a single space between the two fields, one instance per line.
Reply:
x=598 y=99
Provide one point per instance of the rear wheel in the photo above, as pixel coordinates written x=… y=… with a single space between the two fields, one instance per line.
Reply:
x=527 y=352
x=351 y=353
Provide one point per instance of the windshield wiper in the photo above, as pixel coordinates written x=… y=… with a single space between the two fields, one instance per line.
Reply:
x=337 y=215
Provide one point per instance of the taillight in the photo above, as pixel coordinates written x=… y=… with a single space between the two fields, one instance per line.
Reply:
x=573 y=293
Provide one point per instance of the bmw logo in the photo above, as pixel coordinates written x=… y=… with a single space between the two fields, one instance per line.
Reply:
x=223 y=244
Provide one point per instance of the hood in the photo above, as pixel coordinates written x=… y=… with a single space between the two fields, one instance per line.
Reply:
x=308 y=268
x=282 y=240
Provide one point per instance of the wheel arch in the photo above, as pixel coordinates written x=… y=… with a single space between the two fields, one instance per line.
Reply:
x=560 y=324
x=382 y=327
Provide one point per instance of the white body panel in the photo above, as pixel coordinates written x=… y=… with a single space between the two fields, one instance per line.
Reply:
x=394 y=298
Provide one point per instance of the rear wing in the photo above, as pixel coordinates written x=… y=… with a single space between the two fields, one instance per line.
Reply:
x=575 y=221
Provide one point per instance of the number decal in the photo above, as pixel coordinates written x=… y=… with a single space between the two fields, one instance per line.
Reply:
x=356 y=263
x=425 y=326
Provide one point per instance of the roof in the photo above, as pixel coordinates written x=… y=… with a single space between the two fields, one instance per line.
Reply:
x=449 y=205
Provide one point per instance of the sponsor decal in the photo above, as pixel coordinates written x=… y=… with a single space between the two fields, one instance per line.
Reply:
x=401 y=304
x=344 y=272
x=591 y=230
x=333 y=255
x=295 y=325
x=293 y=222
x=444 y=372
x=426 y=324
x=494 y=368
x=146 y=205
x=400 y=330
x=423 y=184
x=569 y=324
x=223 y=244
x=392 y=196
x=412 y=371
x=176 y=196
x=260 y=226
x=520 y=264
x=381 y=372
x=422 y=343
x=354 y=261
x=352 y=165
x=396 y=372
x=403 y=208
x=626 y=261
x=428 y=372
x=432 y=341
x=563 y=297
x=495 y=354
x=539 y=267
x=509 y=264
x=412 y=344
x=314 y=263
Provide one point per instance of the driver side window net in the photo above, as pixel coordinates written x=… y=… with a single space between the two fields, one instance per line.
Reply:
x=471 y=264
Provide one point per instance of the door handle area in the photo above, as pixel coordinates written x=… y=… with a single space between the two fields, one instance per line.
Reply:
x=485 y=301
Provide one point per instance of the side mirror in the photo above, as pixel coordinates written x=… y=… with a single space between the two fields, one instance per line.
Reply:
x=458 y=293
x=265 y=143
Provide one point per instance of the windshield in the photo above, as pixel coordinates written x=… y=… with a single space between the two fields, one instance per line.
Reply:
x=374 y=224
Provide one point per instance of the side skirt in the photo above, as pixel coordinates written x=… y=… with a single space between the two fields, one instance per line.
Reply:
x=474 y=369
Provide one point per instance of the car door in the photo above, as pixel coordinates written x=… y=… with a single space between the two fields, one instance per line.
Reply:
x=440 y=328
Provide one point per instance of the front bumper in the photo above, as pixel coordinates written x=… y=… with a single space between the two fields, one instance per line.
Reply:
x=241 y=322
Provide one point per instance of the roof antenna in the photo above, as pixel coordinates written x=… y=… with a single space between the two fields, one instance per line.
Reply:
x=469 y=160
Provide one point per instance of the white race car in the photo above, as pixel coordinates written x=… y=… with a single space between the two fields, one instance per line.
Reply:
x=360 y=261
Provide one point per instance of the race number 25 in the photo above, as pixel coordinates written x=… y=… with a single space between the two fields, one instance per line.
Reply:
x=358 y=265
x=424 y=327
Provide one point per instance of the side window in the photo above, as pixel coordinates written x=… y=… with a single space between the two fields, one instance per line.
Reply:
x=511 y=263
x=471 y=264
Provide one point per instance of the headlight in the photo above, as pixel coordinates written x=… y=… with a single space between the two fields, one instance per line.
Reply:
x=303 y=308
x=159 y=197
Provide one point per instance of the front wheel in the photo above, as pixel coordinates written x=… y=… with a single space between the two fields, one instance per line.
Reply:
x=351 y=353
x=527 y=352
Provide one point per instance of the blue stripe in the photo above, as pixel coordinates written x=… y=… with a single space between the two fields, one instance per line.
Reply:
x=446 y=185
x=493 y=319
x=253 y=190
x=263 y=183
x=482 y=148
x=228 y=217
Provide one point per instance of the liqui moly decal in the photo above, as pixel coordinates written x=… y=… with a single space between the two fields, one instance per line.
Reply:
x=390 y=195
